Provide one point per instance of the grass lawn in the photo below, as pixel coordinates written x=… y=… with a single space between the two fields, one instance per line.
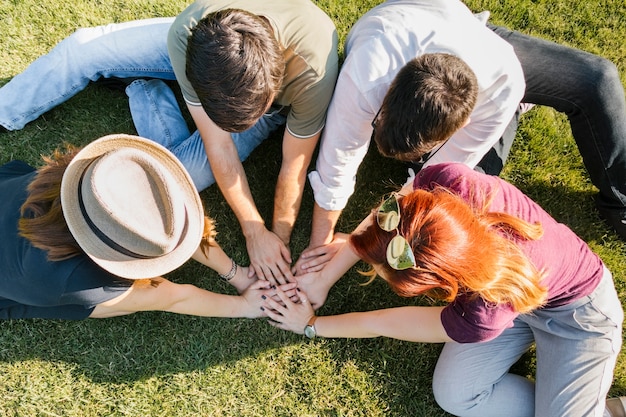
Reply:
x=159 y=364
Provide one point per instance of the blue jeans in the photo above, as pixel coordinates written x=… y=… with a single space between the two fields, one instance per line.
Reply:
x=576 y=348
x=588 y=90
x=157 y=116
x=136 y=49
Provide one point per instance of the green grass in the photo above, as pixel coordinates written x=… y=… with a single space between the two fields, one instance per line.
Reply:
x=158 y=364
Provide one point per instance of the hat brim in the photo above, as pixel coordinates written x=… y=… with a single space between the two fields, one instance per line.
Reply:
x=108 y=258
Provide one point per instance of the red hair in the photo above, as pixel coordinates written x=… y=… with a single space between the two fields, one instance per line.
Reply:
x=457 y=250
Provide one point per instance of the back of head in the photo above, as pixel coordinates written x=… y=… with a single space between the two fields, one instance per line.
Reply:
x=431 y=97
x=457 y=250
x=236 y=66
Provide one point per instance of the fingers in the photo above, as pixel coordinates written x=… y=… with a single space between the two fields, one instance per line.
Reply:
x=260 y=284
x=252 y=272
x=289 y=288
x=277 y=306
x=317 y=263
x=314 y=252
x=286 y=254
x=284 y=298
x=278 y=275
x=285 y=274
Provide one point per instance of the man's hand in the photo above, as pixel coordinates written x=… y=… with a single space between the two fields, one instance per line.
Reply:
x=314 y=259
x=270 y=259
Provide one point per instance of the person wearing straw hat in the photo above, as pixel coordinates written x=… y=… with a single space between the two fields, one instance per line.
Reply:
x=508 y=277
x=91 y=232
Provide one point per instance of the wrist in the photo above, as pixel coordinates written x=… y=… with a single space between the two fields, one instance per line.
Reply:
x=309 y=330
x=252 y=229
x=230 y=274
x=241 y=280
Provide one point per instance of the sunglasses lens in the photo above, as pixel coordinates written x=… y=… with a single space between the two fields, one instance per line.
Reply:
x=399 y=254
x=388 y=216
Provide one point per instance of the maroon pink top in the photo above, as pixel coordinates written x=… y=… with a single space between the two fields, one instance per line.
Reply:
x=573 y=270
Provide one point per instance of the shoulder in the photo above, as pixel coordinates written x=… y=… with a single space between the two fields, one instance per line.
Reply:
x=445 y=175
x=15 y=168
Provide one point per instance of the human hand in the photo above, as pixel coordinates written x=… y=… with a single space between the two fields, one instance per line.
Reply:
x=270 y=259
x=314 y=259
x=316 y=288
x=253 y=297
x=287 y=314
x=259 y=291
x=243 y=279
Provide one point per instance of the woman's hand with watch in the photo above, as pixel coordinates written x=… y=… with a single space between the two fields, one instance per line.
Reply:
x=296 y=316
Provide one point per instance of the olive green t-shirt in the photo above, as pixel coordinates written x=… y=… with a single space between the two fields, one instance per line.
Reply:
x=309 y=39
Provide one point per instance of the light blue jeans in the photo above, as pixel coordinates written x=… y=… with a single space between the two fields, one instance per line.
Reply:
x=576 y=349
x=136 y=49
x=157 y=116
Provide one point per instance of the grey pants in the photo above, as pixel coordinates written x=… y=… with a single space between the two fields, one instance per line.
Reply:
x=576 y=346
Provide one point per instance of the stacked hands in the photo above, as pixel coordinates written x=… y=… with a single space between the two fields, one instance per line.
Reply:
x=290 y=300
x=286 y=303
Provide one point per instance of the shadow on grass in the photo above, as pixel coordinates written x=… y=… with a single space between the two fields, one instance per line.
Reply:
x=137 y=347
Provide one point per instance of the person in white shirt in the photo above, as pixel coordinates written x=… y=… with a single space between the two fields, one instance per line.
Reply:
x=510 y=68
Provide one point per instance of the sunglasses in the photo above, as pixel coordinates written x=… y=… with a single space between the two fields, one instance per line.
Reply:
x=399 y=253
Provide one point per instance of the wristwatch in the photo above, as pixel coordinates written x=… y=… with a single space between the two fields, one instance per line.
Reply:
x=309 y=329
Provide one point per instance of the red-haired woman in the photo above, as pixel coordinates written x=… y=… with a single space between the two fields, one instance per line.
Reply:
x=511 y=276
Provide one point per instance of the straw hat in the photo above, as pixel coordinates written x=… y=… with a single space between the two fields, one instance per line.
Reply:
x=132 y=206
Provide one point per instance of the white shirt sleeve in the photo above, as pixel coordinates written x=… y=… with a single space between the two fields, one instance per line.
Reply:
x=345 y=141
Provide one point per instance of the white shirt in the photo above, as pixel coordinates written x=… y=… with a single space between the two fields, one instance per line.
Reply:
x=378 y=46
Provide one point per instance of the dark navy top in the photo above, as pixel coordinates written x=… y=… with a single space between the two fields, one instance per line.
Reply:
x=30 y=285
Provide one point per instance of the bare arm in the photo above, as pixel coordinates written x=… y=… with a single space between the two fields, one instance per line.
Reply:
x=413 y=324
x=274 y=258
x=297 y=154
x=159 y=294
x=322 y=244
x=217 y=260
x=318 y=284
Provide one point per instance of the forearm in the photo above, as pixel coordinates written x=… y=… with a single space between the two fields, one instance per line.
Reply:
x=228 y=171
x=195 y=301
x=296 y=154
x=159 y=294
x=343 y=260
x=287 y=201
x=323 y=226
x=233 y=183
x=216 y=259
x=396 y=323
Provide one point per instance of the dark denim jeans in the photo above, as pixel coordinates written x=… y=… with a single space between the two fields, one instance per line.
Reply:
x=587 y=89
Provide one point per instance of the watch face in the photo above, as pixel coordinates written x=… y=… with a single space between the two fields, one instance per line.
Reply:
x=309 y=331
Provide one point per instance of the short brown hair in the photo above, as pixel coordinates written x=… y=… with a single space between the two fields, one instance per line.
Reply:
x=430 y=98
x=235 y=65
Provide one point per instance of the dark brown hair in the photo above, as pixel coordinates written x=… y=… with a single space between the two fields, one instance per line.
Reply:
x=430 y=98
x=236 y=66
